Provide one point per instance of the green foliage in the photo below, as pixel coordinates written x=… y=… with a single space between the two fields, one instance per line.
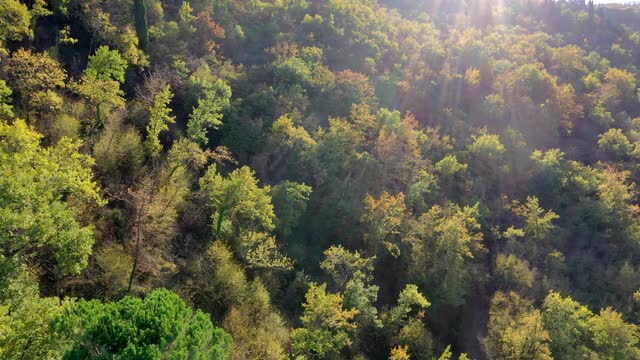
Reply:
x=243 y=215
x=257 y=328
x=513 y=272
x=292 y=71
x=288 y=135
x=383 y=218
x=352 y=274
x=443 y=243
x=417 y=337
x=447 y=354
x=344 y=265
x=100 y=84
x=615 y=194
x=237 y=199
x=140 y=17
x=615 y=142
x=26 y=335
x=115 y=264
x=423 y=188
x=39 y=9
x=118 y=153
x=326 y=324
x=104 y=94
x=449 y=166
x=42 y=192
x=382 y=142
x=568 y=60
x=409 y=300
x=15 y=21
x=160 y=118
x=538 y=224
x=577 y=332
x=399 y=353
x=290 y=202
x=354 y=88
x=259 y=250
x=65 y=125
x=487 y=146
x=568 y=324
x=159 y=326
x=6 y=110
x=25 y=317
x=106 y=65
x=208 y=113
x=623 y=81
x=614 y=338
x=35 y=78
x=592 y=81
x=516 y=329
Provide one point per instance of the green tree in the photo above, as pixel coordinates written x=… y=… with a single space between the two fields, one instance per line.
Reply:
x=104 y=95
x=578 y=333
x=487 y=147
x=107 y=64
x=38 y=9
x=15 y=21
x=353 y=88
x=538 y=224
x=486 y=154
x=383 y=219
x=159 y=326
x=221 y=287
x=424 y=186
x=6 y=110
x=613 y=338
x=516 y=330
x=352 y=275
x=397 y=147
x=336 y=152
x=326 y=324
x=568 y=62
x=514 y=273
x=343 y=265
x=260 y=251
x=208 y=113
x=450 y=166
x=36 y=79
x=404 y=323
x=615 y=142
x=119 y=153
x=42 y=189
x=450 y=173
x=24 y=316
x=159 y=120
x=443 y=244
x=447 y=354
x=101 y=82
x=619 y=86
x=568 y=323
x=536 y=232
x=244 y=216
x=290 y=202
x=292 y=71
x=238 y=200
x=409 y=300
x=142 y=29
x=400 y=353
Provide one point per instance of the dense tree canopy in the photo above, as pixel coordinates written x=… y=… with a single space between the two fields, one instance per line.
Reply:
x=339 y=179
x=158 y=326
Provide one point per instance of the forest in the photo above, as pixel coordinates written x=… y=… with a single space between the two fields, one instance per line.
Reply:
x=319 y=179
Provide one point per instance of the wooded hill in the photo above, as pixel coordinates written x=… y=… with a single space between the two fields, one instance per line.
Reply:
x=335 y=179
